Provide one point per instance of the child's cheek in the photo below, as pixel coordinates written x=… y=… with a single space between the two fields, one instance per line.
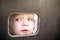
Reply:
x=31 y=24
x=17 y=25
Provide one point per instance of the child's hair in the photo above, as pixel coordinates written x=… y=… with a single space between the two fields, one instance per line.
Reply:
x=11 y=21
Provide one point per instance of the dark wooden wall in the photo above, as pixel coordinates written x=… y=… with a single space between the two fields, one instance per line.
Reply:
x=49 y=11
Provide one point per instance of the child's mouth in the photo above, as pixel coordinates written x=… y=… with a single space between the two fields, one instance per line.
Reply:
x=24 y=31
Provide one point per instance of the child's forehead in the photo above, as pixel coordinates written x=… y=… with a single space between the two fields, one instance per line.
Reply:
x=24 y=15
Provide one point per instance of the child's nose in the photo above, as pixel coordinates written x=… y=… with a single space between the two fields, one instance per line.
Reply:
x=25 y=22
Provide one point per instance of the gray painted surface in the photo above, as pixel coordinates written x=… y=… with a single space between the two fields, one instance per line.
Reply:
x=49 y=11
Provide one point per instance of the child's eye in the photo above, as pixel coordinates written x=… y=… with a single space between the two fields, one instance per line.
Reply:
x=17 y=19
x=30 y=19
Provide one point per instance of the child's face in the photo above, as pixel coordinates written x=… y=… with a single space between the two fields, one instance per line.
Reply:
x=23 y=24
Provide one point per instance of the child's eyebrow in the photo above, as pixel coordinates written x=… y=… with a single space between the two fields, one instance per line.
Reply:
x=19 y=17
x=22 y=16
x=30 y=16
